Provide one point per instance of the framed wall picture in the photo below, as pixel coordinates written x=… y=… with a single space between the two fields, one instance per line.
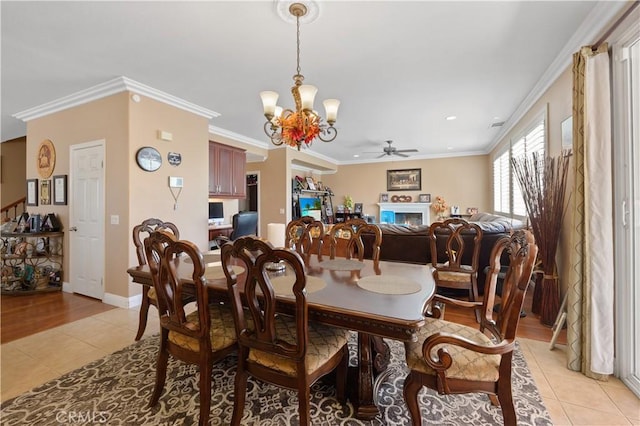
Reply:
x=311 y=184
x=567 y=133
x=60 y=190
x=357 y=208
x=404 y=180
x=46 y=159
x=424 y=198
x=45 y=192
x=32 y=192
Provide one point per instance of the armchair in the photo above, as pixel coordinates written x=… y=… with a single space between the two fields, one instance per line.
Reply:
x=458 y=359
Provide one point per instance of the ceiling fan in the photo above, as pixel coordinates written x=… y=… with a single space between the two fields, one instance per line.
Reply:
x=392 y=150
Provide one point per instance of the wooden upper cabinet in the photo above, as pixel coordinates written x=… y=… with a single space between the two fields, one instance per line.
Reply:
x=226 y=171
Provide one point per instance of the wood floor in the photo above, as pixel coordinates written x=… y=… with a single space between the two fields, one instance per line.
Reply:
x=22 y=316
x=30 y=314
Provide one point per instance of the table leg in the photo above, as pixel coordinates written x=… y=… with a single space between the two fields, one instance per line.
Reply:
x=373 y=359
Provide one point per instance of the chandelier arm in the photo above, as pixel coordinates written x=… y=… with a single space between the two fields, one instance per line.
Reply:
x=331 y=132
x=272 y=130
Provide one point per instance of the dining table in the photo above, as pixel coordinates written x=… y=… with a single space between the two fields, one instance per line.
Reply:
x=375 y=299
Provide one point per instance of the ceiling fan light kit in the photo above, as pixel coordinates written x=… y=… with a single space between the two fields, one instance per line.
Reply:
x=302 y=125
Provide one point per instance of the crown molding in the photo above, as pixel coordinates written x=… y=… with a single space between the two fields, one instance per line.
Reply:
x=395 y=158
x=237 y=137
x=108 y=88
x=594 y=24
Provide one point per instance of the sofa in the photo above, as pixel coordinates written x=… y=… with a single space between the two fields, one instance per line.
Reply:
x=406 y=243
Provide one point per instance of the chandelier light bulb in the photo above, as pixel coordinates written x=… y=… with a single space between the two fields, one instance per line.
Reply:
x=269 y=100
x=331 y=109
x=307 y=95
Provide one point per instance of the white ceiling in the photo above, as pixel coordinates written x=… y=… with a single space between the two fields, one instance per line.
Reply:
x=399 y=68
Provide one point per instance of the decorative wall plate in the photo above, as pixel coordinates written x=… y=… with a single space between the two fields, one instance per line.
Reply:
x=174 y=158
x=45 y=159
x=148 y=158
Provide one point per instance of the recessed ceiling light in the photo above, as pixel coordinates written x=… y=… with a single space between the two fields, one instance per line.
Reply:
x=451 y=117
x=356 y=155
x=449 y=148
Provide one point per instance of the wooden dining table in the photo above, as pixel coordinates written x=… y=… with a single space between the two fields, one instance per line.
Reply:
x=383 y=302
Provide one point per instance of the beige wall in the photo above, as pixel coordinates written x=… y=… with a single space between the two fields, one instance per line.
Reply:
x=13 y=170
x=558 y=100
x=150 y=195
x=462 y=181
x=130 y=192
x=102 y=119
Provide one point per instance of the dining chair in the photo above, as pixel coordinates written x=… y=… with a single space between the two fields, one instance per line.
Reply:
x=305 y=235
x=451 y=358
x=201 y=337
x=345 y=239
x=140 y=232
x=287 y=351
x=455 y=252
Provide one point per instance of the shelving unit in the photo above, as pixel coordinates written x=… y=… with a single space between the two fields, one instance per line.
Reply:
x=31 y=262
x=326 y=203
x=344 y=216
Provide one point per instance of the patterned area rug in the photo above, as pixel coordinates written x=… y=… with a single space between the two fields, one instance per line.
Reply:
x=116 y=389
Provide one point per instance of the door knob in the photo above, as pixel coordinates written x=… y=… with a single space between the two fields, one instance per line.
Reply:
x=73 y=228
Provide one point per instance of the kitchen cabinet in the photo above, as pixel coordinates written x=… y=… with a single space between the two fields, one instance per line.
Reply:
x=226 y=171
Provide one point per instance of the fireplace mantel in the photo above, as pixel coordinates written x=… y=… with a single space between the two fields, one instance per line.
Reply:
x=411 y=208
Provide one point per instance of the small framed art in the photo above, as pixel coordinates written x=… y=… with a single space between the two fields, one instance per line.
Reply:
x=60 y=190
x=32 y=192
x=384 y=197
x=311 y=184
x=424 y=198
x=45 y=192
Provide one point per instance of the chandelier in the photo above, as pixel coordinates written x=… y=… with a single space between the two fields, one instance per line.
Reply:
x=302 y=125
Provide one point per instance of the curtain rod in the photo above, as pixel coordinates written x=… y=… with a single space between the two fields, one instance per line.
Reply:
x=606 y=35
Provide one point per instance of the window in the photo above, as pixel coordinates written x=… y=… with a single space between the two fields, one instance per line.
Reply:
x=507 y=196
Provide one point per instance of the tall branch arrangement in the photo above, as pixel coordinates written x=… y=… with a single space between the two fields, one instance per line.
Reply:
x=543 y=182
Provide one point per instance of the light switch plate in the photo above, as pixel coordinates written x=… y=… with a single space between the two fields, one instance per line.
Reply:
x=176 y=181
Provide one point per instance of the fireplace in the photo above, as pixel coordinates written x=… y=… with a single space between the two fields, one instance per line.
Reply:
x=405 y=213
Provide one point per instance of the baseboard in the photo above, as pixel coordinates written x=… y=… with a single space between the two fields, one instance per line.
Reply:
x=122 y=302
x=112 y=299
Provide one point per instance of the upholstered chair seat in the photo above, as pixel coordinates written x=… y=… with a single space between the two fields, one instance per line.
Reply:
x=222 y=330
x=467 y=364
x=324 y=343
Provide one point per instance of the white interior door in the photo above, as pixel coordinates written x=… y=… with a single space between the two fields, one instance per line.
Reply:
x=86 y=220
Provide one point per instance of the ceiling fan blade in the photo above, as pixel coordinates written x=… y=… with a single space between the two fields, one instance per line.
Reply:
x=399 y=154
x=382 y=155
x=407 y=150
x=370 y=152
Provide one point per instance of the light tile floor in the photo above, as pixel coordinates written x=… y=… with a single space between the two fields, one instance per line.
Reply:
x=570 y=397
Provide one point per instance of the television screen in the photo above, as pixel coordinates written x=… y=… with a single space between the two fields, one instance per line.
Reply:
x=310 y=207
x=216 y=211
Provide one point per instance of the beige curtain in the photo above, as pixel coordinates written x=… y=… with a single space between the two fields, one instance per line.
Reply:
x=590 y=295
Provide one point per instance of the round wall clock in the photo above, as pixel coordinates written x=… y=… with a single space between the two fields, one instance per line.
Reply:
x=45 y=159
x=148 y=158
